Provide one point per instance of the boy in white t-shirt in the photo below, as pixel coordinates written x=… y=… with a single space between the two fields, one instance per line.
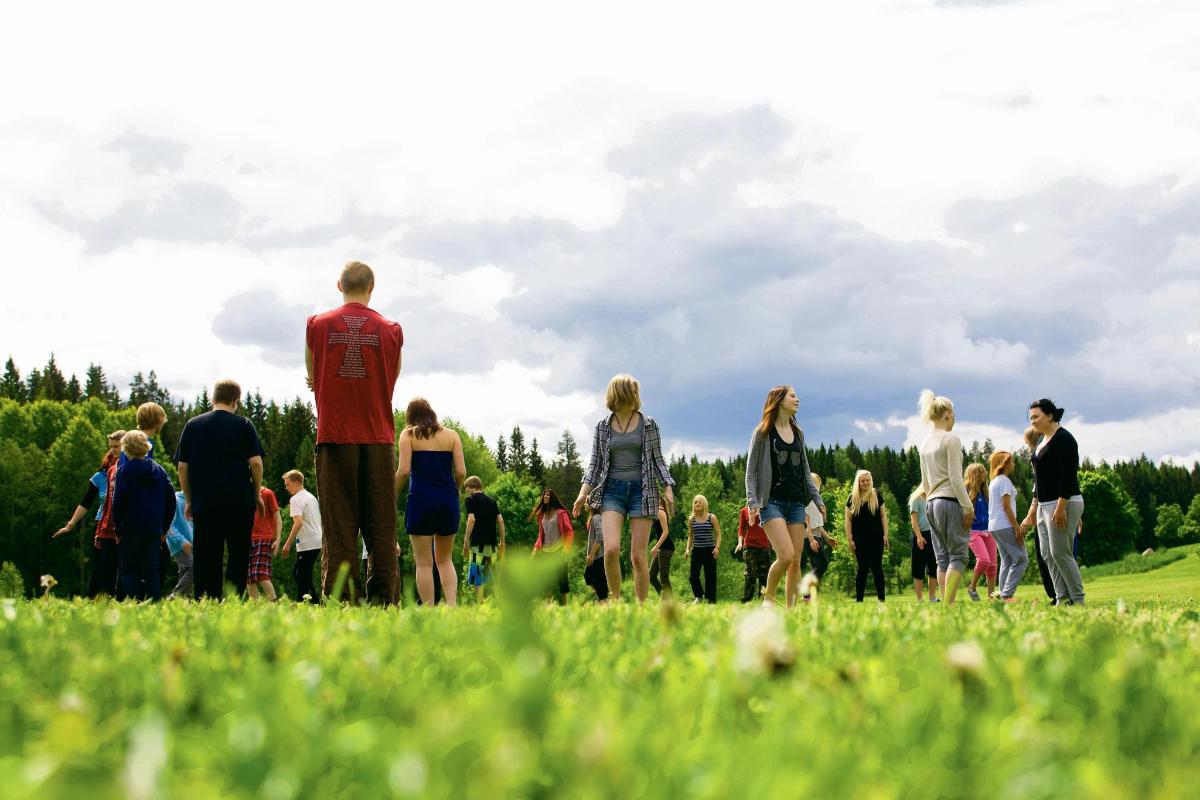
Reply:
x=306 y=533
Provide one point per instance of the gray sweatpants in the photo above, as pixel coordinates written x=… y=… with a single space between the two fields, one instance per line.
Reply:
x=184 y=587
x=951 y=539
x=1057 y=549
x=1014 y=559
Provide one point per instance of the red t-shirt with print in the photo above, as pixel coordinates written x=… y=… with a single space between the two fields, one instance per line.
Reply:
x=264 y=524
x=356 y=355
x=754 y=535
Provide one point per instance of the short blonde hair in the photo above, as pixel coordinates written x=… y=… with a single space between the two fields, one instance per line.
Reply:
x=294 y=476
x=150 y=416
x=703 y=505
x=623 y=391
x=473 y=482
x=934 y=407
x=357 y=278
x=135 y=444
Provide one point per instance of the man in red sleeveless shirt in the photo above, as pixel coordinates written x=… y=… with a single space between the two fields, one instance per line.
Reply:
x=353 y=358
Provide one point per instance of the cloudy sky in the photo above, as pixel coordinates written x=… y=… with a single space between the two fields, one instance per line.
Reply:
x=997 y=200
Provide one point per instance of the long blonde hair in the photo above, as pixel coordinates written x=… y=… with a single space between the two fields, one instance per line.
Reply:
x=856 y=498
x=703 y=504
x=976 y=480
x=917 y=492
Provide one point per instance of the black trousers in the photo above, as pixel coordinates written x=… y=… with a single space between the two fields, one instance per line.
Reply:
x=217 y=530
x=594 y=577
x=870 y=559
x=105 y=566
x=703 y=559
x=819 y=560
x=139 y=567
x=302 y=572
x=660 y=571
x=1043 y=570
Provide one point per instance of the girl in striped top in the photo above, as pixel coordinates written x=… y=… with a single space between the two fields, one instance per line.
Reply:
x=703 y=545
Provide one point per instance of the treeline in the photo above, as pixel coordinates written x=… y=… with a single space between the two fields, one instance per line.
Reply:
x=52 y=436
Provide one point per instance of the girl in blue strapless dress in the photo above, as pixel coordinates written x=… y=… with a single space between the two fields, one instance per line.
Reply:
x=431 y=463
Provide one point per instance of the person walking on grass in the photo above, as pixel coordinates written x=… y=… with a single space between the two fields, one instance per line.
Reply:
x=703 y=547
x=143 y=509
x=755 y=548
x=948 y=507
x=662 y=550
x=1032 y=437
x=819 y=558
x=1002 y=522
x=779 y=484
x=982 y=544
x=555 y=537
x=179 y=545
x=485 y=538
x=593 y=573
x=622 y=480
x=306 y=534
x=105 y=561
x=264 y=546
x=433 y=467
x=353 y=358
x=866 y=533
x=924 y=563
x=1057 y=508
x=220 y=471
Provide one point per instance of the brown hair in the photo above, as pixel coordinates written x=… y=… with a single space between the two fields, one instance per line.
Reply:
x=473 y=482
x=541 y=508
x=150 y=416
x=226 y=392
x=976 y=480
x=420 y=419
x=295 y=476
x=357 y=278
x=775 y=398
x=1001 y=463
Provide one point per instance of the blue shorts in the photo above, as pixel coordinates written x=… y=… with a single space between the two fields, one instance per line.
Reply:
x=624 y=497
x=790 y=511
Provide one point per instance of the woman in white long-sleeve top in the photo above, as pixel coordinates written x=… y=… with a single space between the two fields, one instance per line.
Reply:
x=947 y=505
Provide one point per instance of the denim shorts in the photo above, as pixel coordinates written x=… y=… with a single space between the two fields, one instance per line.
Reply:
x=791 y=512
x=624 y=497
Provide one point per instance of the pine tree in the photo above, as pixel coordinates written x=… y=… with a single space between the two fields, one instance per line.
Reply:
x=33 y=385
x=95 y=383
x=518 y=458
x=537 y=467
x=11 y=385
x=137 y=390
x=203 y=403
x=74 y=390
x=54 y=384
x=502 y=454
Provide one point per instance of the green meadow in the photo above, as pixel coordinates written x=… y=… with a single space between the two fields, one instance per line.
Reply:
x=519 y=698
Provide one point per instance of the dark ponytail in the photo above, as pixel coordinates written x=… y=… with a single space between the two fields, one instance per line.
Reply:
x=1048 y=408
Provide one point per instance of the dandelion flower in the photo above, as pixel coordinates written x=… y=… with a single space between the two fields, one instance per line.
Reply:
x=965 y=657
x=762 y=644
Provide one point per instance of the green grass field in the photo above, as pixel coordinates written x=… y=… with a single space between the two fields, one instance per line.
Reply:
x=520 y=699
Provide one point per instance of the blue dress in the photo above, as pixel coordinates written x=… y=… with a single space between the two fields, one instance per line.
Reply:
x=432 y=496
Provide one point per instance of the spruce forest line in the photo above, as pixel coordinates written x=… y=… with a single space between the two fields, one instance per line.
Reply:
x=52 y=438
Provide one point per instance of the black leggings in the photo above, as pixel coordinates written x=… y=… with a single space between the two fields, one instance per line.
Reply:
x=302 y=571
x=660 y=571
x=703 y=559
x=870 y=558
x=594 y=577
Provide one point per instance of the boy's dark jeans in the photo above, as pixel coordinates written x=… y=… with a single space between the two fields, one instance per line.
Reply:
x=302 y=571
x=139 y=567
x=217 y=529
x=106 y=562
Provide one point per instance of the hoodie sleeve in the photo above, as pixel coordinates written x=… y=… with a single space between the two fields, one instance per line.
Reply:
x=168 y=502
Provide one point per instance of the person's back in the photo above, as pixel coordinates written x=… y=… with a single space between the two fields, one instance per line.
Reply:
x=144 y=504
x=216 y=446
x=486 y=512
x=433 y=466
x=941 y=467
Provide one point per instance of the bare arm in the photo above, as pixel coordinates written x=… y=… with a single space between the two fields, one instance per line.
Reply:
x=884 y=519
x=688 y=548
x=403 y=463
x=460 y=463
x=666 y=534
x=503 y=533
x=849 y=530
x=470 y=530
x=72 y=522
x=256 y=470
x=308 y=365
x=297 y=524
x=716 y=530
x=278 y=531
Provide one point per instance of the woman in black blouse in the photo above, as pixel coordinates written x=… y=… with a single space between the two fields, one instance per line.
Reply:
x=1057 y=507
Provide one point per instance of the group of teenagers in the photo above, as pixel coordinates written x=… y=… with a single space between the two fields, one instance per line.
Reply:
x=353 y=357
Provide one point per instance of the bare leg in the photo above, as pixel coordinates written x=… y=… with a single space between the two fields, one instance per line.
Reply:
x=611 y=523
x=953 y=577
x=919 y=588
x=423 y=558
x=792 y=586
x=442 y=552
x=269 y=590
x=639 y=540
x=252 y=590
x=781 y=543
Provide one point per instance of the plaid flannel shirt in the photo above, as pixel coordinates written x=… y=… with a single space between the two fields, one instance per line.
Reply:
x=654 y=467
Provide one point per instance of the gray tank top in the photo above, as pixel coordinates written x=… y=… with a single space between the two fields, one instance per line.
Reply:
x=625 y=454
